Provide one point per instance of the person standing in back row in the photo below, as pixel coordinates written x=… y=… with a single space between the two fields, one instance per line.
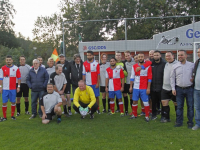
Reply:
x=158 y=66
x=66 y=70
x=103 y=66
x=91 y=74
x=196 y=81
x=24 y=89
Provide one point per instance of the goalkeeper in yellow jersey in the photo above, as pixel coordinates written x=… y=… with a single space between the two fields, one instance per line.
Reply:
x=84 y=100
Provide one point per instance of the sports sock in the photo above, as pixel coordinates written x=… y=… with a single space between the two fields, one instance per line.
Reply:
x=131 y=102
x=109 y=103
x=146 y=108
x=164 y=111
x=4 y=109
x=12 y=110
x=121 y=107
x=134 y=108
x=104 y=103
x=112 y=106
x=150 y=110
x=65 y=109
x=18 y=107
x=143 y=110
x=117 y=103
x=69 y=108
x=58 y=116
x=26 y=106
x=126 y=103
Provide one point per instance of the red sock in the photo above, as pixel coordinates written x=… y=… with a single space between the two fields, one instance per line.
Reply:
x=146 y=111
x=12 y=110
x=4 y=109
x=121 y=107
x=98 y=108
x=143 y=110
x=134 y=108
x=112 y=106
x=150 y=110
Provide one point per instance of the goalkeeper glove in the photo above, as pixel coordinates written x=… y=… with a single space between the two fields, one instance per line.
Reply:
x=81 y=108
x=87 y=109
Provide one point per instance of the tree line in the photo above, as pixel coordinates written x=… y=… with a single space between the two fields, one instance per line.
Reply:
x=47 y=30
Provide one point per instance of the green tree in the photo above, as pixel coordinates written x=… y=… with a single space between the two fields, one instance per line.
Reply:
x=7 y=12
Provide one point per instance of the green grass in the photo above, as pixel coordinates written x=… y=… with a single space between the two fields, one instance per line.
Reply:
x=103 y=132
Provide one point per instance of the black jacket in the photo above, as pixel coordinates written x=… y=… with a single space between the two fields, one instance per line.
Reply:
x=195 y=70
x=66 y=70
x=157 y=75
x=76 y=74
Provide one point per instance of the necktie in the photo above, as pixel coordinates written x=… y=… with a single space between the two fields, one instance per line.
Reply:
x=78 y=66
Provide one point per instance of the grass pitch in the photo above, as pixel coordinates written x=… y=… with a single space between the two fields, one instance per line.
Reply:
x=103 y=132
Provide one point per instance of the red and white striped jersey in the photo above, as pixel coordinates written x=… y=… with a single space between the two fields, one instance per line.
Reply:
x=9 y=75
x=114 y=76
x=141 y=78
x=91 y=72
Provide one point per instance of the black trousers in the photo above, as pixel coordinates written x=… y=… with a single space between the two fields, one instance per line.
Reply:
x=93 y=109
x=155 y=98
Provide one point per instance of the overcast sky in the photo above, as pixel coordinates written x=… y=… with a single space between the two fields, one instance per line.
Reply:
x=28 y=11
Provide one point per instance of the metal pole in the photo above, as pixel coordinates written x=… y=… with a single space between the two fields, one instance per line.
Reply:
x=125 y=34
x=63 y=40
x=194 y=46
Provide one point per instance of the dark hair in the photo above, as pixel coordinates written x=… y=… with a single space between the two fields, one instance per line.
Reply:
x=22 y=56
x=135 y=55
x=9 y=56
x=141 y=53
x=39 y=57
x=77 y=56
x=157 y=51
x=127 y=52
x=170 y=52
x=113 y=58
x=182 y=51
x=50 y=84
x=91 y=52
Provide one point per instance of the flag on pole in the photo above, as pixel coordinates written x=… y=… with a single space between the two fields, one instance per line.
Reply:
x=55 y=55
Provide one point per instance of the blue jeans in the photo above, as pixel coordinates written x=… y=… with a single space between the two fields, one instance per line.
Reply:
x=34 y=97
x=181 y=94
x=197 y=106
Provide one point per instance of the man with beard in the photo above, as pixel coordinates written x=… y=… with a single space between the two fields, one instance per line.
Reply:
x=166 y=94
x=8 y=75
x=113 y=82
x=158 y=66
x=142 y=83
x=91 y=74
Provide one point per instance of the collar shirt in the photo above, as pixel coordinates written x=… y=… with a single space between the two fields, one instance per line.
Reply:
x=181 y=74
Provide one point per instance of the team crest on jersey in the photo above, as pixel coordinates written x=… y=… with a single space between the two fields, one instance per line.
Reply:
x=86 y=93
x=93 y=64
x=13 y=69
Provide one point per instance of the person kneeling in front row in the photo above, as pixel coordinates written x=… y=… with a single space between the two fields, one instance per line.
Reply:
x=84 y=98
x=50 y=105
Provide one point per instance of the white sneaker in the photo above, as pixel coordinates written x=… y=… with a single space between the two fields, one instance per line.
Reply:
x=195 y=127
